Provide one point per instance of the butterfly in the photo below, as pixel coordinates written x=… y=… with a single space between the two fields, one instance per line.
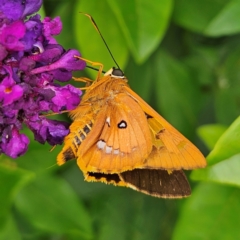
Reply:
x=117 y=138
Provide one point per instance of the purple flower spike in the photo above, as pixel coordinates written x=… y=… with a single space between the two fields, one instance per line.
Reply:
x=31 y=63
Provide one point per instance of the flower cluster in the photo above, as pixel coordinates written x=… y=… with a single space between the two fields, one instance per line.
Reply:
x=30 y=62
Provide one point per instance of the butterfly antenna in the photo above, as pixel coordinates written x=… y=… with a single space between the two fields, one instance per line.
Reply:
x=96 y=69
x=96 y=27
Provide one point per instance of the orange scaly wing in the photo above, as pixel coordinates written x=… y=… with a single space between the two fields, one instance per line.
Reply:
x=171 y=150
x=120 y=139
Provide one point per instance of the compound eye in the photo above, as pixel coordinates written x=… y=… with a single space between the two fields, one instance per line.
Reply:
x=116 y=72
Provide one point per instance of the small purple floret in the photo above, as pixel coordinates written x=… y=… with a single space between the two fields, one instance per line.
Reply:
x=14 y=145
x=15 y=10
x=48 y=130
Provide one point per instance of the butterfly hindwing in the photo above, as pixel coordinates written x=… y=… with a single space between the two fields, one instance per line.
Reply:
x=158 y=182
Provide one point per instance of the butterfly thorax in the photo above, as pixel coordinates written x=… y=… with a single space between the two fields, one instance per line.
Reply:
x=99 y=94
x=105 y=89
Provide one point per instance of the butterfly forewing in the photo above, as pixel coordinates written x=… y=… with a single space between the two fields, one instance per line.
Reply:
x=171 y=150
x=119 y=141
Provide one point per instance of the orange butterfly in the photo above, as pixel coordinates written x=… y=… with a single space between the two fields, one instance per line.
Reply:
x=118 y=138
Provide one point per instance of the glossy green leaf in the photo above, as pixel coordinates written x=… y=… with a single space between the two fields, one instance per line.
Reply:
x=225 y=172
x=220 y=17
x=177 y=93
x=212 y=212
x=143 y=24
x=12 y=180
x=210 y=134
x=227 y=145
x=88 y=39
x=62 y=212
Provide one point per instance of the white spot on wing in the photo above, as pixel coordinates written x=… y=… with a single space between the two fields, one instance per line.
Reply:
x=108 y=121
x=122 y=124
x=101 y=144
x=108 y=149
x=116 y=151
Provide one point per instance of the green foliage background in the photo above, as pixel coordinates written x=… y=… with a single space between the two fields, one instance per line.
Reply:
x=182 y=57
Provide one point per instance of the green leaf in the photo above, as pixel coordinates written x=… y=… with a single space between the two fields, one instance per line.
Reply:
x=10 y=230
x=62 y=212
x=210 y=134
x=41 y=12
x=142 y=212
x=140 y=78
x=12 y=180
x=177 y=93
x=212 y=212
x=225 y=97
x=225 y=172
x=66 y=37
x=189 y=14
x=88 y=39
x=226 y=22
x=227 y=145
x=143 y=24
x=227 y=89
x=201 y=61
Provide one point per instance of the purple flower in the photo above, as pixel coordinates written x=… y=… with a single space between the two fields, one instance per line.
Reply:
x=9 y=90
x=48 y=130
x=14 y=143
x=15 y=10
x=31 y=62
x=11 y=34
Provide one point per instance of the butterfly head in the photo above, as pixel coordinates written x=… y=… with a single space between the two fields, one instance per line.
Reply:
x=115 y=73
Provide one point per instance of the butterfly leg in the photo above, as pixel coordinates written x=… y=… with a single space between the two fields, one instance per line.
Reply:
x=84 y=80
x=54 y=113
x=100 y=65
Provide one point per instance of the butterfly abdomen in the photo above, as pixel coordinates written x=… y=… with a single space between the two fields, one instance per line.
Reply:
x=73 y=141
